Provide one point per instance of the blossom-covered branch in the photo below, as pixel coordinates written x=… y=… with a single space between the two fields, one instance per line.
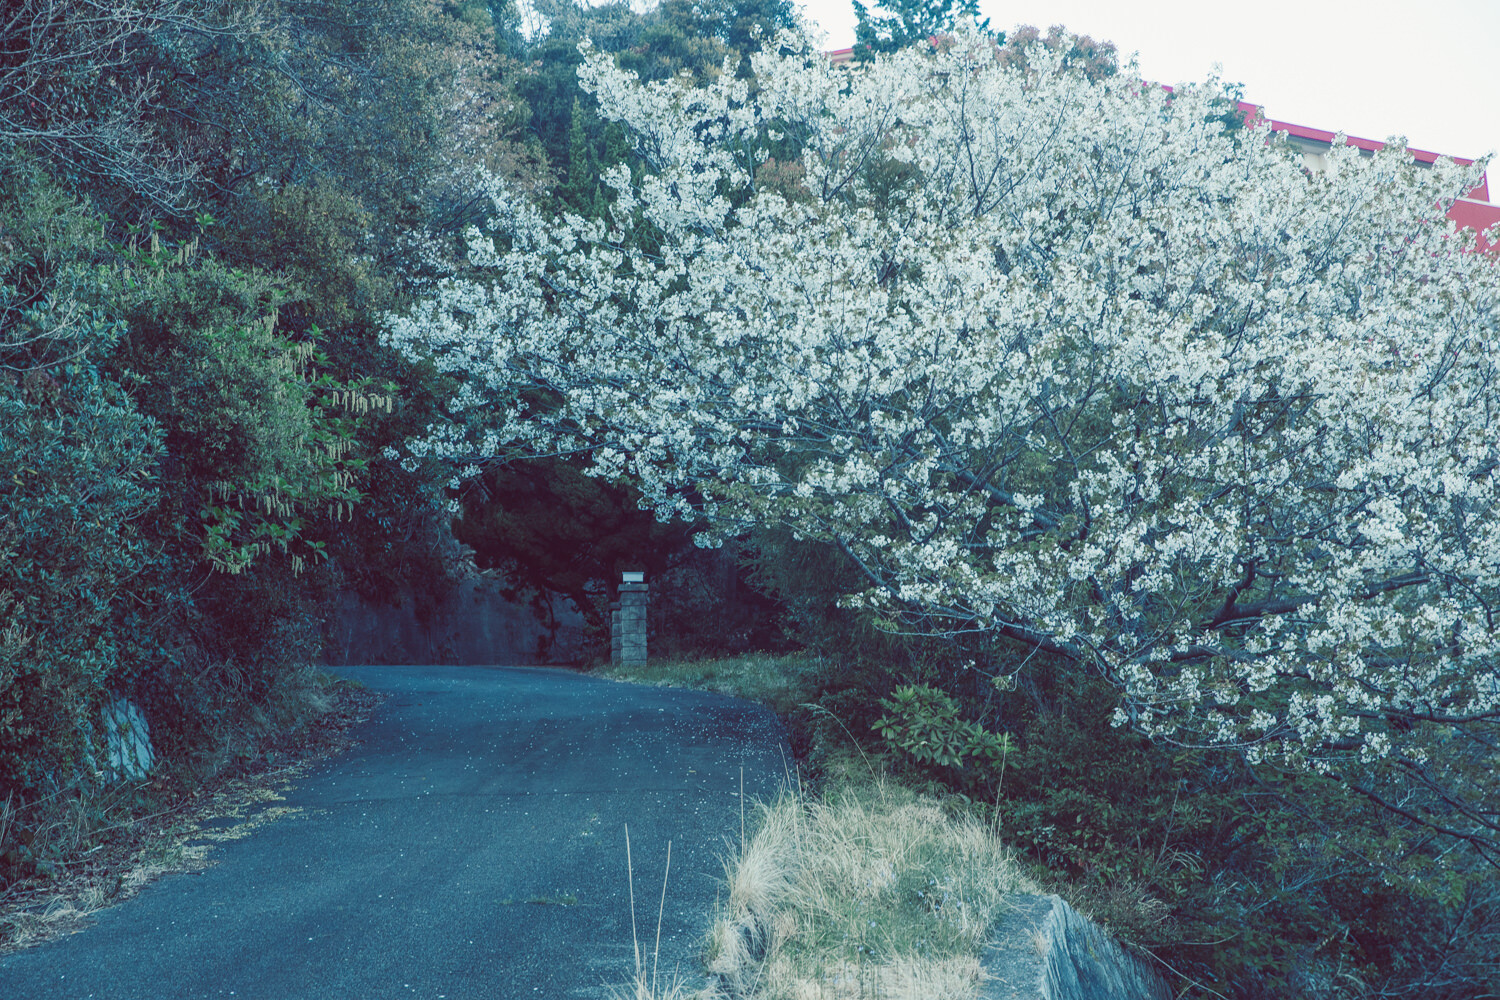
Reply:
x=1060 y=359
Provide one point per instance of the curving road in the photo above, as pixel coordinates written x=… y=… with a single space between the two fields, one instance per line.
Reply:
x=472 y=846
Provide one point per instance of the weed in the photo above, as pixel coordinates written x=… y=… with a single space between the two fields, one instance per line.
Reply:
x=643 y=987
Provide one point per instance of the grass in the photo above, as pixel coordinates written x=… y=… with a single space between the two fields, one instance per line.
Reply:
x=871 y=892
x=781 y=683
x=867 y=890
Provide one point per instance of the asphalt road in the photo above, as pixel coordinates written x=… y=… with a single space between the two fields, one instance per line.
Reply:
x=472 y=846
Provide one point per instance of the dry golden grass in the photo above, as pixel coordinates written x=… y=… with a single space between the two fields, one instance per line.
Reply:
x=873 y=893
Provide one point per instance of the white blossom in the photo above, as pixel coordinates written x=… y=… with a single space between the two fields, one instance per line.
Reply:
x=1061 y=360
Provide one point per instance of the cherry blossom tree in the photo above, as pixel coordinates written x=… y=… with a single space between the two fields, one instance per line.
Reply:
x=1059 y=360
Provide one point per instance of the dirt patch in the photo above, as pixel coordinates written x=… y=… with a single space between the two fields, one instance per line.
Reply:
x=181 y=834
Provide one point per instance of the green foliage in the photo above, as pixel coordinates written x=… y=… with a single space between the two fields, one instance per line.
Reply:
x=77 y=464
x=925 y=725
x=258 y=434
x=589 y=153
x=564 y=119
x=1251 y=882
x=316 y=141
x=895 y=24
x=672 y=38
x=143 y=390
x=745 y=25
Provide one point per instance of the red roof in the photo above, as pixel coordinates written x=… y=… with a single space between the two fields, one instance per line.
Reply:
x=1473 y=211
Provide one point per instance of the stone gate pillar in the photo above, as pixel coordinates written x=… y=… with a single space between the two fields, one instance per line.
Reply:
x=627 y=627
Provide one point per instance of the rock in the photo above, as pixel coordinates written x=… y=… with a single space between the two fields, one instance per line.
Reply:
x=128 y=751
x=1045 y=950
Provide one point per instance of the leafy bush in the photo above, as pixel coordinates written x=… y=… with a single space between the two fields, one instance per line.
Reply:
x=260 y=440
x=155 y=430
x=1252 y=881
x=924 y=724
x=77 y=463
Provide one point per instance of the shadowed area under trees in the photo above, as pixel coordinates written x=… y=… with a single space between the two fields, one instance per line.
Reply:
x=207 y=209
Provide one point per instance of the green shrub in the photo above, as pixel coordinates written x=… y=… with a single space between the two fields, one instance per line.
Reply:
x=139 y=390
x=924 y=724
x=1252 y=882
x=75 y=480
x=260 y=442
x=77 y=463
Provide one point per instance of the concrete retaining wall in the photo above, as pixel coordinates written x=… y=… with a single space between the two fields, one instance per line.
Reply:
x=474 y=625
x=1045 y=950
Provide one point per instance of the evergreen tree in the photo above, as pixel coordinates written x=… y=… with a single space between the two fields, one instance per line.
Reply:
x=895 y=24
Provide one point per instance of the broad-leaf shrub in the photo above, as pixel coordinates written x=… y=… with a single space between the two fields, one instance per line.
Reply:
x=76 y=465
x=1251 y=880
x=141 y=388
x=77 y=469
x=923 y=722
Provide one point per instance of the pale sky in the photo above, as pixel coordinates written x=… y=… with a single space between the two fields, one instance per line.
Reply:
x=1426 y=69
